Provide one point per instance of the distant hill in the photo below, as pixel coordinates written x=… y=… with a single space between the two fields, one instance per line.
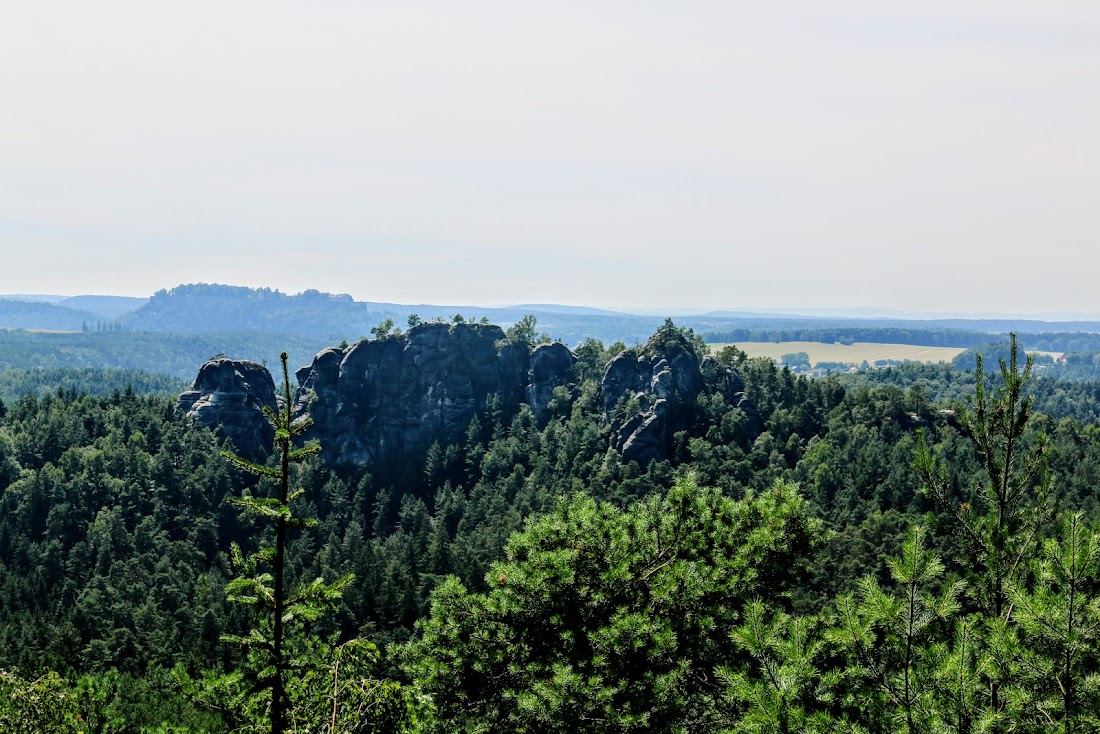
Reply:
x=43 y=315
x=33 y=297
x=176 y=330
x=105 y=307
x=63 y=313
x=559 y=309
x=324 y=319
x=794 y=321
x=766 y=315
x=201 y=307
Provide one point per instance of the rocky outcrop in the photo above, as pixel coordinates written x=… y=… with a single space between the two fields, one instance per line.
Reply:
x=551 y=367
x=385 y=398
x=230 y=395
x=650 y=394
x=381 y=398
x=644 y=437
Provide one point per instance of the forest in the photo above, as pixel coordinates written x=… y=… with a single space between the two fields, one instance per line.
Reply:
x=914 y=549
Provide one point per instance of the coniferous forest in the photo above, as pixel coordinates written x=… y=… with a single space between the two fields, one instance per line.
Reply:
x=913 y=550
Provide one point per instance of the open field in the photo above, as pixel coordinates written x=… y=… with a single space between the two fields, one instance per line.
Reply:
x=848 y=353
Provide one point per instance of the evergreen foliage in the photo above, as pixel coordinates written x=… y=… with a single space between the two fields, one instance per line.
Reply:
x=35 y=706
x=1059 y=631
x=87 y=380
x=608 y=620
x=280 y=648
x=115 y=517
x=175 y=355
x=889 y=636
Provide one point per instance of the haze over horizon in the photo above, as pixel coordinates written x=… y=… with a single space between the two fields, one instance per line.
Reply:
x=842 y=312
x=689 y=155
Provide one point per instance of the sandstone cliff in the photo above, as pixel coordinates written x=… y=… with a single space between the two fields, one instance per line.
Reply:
x=383 y=398
x=649 y=394
x=386 y=398
x=230 y=395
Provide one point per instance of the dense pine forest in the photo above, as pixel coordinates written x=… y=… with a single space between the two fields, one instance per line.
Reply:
x=914 y=549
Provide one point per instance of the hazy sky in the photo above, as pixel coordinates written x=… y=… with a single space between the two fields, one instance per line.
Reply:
x=926 y=155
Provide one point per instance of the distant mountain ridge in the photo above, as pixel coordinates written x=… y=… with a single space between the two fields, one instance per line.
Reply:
x=43 y=315
x=107 y=307
x=202 y=307
x=558 y=308
x=32 y=297
x=199 y=308
x=62 y=313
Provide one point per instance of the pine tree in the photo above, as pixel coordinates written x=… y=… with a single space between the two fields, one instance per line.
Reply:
x=786 y=688
x=1000 y=524
x=267 y=590
x=889 y=635
x=1059 y=626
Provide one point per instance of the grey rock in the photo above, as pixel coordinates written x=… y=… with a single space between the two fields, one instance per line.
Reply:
x=648 y=435
x=664 y=379
x=663 y=384
x=382 y=398
x=621 y=377
x=551 y=367
x=686 y=373
x=230 y=395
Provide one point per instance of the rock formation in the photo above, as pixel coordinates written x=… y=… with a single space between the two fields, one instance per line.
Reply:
x=649 y=394
x=382 y=398
x=230 y=395
x=732 y=387
x=386 y=397
x=551 y=367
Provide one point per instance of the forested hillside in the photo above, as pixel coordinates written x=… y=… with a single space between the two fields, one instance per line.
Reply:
x=89 y=380
x=27 y=314
x=174 y=355
x=843 y=556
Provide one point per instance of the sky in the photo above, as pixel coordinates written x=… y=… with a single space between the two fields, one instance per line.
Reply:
x=933 y=156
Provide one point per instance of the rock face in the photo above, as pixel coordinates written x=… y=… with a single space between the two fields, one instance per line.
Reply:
x=386 y=397
x=383 y=398
x=650 y=394
x=551 y=367
x=230 y=395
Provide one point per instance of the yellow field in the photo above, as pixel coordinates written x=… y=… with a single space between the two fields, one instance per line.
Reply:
x=850 y=354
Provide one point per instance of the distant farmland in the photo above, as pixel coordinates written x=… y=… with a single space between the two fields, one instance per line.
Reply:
x=848 y=353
